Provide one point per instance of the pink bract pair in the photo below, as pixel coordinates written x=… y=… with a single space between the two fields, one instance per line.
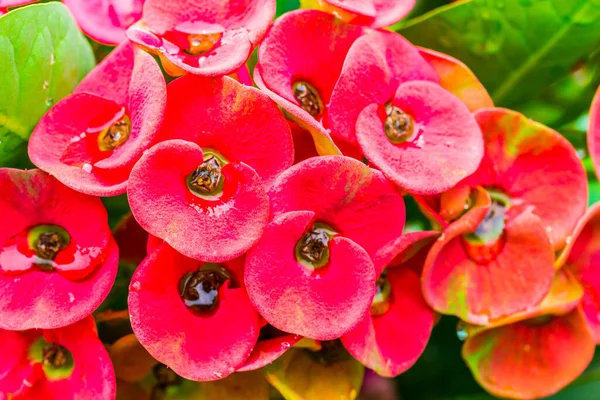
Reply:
x=374 y=95
x=58 y=262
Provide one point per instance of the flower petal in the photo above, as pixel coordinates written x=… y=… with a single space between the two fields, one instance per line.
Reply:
x=446 y=148
x=195 y=347
x=525 y=360
x=357 y=201
x=208 y=230
x=409 y=321
x=517 y=278
x=238 y=121
x=534 y=166
x=582 y=257
x=42 y=299
x=105 y=21
x=295 y=299
x=375 y=65
x=458 y=79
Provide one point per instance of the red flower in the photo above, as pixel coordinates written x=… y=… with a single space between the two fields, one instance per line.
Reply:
x=580 y=257
x=203 y=37
x=422 y=137
x=534 y=353
x=398 y=314
x=105 y=21
x=206 y=195
x=299 y=77
x=91 y=139
x=373 y=13
x=311 y=274
x=68 y=362
x=58 y=259
x=497 y=258
x=192 y=316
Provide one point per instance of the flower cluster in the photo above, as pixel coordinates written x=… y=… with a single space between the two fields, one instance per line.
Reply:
x=275 y=217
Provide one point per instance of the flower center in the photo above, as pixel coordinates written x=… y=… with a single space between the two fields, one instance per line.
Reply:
x=47 y=241
x=312 y=249
x=56 y=360
x=55 y=355
x=115 y=135
x=199 y=290
x=202 y=43
x=487 y=241
x=399 y=126
x=207 y=180
x=309 y=98
x=381 y=302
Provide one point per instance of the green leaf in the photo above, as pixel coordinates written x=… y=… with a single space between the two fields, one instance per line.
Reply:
x=515 y=47
x=284 y=6
x=43 y=56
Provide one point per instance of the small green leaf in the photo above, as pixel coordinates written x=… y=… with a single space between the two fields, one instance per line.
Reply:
x=43 y=56
x=515 y=47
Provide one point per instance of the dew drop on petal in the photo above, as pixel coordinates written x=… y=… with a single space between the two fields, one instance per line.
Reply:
x=461 y=332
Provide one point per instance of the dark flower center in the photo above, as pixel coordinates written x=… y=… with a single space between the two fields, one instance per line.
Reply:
x=206 y=177
x=207 y=180
x=309 y=98
x=115 y=135
x=202 y=43
x=398 y=125
x=48 y=245
x=47 y=241
x=381 y=301
x=200 y=289
x=313 y=248
x=56 y=356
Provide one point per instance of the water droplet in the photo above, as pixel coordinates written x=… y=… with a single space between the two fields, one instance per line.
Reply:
x=87 y=168
x=27 y=383
x=285 y=345
x=136 y=285
x=461 y=332
x=49 y=101
x=71 y=297
x=199 y=289
x=46 y=85
x=218 y=374
x=52 y=59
